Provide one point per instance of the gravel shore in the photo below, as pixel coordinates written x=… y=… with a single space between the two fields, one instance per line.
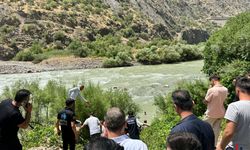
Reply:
x=65 y=63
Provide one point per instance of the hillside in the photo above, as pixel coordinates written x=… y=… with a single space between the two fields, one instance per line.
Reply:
x=55 y=24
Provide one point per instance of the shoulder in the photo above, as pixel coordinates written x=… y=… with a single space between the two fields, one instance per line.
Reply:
x=134 y=144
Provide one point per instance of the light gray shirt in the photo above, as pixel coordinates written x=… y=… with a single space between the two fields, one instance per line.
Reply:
x=74 y=92
x=130 y=144
x=94 y=125
x=239 y=112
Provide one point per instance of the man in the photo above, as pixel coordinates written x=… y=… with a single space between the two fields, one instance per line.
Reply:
x=133 y=126
x=214 y=100
x=181 y=140
x=103 y=143
x=11 y=119
x=115 y=124
x=75 y=92
x=189 y=122
x=94 y=126
x=66 y=119
x=238 y=118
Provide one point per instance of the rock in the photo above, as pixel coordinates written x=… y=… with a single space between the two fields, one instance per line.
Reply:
x=105 y=31
x=7 y=53
x=195 y=36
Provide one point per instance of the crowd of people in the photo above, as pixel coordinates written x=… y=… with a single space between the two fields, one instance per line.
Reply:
x=117 y=132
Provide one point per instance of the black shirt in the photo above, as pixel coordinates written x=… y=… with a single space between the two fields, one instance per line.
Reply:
x=10 y=118
x=66 y=116
x=132 y=127
x=201 y=129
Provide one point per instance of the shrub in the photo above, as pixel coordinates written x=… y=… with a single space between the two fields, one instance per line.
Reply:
x=155 y=135
x=78 y=49
x=148 y=56
x=122 y=59
x=229 y=72
x=232 y=42
x=197 y=90
x=168 y=54
x=24 y=55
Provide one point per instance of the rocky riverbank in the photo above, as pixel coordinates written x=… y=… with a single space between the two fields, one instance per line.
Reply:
x=65 y=63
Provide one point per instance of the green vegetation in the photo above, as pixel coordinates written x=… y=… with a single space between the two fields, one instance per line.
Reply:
x=155 y=136
x=170 y=53
x=230 y=43
x=227 y=52
x=49 y=100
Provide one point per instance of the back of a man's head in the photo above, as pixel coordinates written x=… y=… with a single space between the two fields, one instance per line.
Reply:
x=243 y=84
x=214 y=77
x=114 y=119
x=22 y=95
x=183 y=140
x=182 y=99
x=102 y=143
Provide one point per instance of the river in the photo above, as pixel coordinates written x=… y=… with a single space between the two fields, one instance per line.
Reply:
x=142 y=82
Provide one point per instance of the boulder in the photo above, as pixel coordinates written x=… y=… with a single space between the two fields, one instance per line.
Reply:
x=195 y=36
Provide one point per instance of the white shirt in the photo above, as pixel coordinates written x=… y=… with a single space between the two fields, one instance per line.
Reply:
x=74 y=92
x=130 y=144
x=94 y=125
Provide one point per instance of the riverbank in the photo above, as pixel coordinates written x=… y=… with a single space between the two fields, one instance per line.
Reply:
x=53 y=64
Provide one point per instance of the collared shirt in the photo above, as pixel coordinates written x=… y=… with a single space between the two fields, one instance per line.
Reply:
x=216 y=97
x=201 y=129
x=130 y=144
x=74 y=92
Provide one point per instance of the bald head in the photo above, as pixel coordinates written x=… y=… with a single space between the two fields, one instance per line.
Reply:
x=114 y=119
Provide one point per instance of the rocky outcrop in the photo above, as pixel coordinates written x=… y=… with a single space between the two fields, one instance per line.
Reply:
x=195 y=36
x=7 y=53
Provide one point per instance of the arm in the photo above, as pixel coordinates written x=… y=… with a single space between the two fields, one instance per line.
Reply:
x=26 y=122
x=57 y=127
x=228 y=134
x=73 y=125
x=208 y=98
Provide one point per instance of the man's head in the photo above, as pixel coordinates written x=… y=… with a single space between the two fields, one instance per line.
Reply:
x=69 y=102
x=130 y=113
x=180 y=140
x=115 y=119
x=213 y=79
x=242 y=86
x=22 y=96
x=81 y=87
x=102 y=143
x=182 y=100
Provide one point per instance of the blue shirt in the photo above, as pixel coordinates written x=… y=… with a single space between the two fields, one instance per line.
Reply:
x=201 y=129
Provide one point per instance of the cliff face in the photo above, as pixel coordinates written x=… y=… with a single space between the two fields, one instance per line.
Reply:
x=56 y=23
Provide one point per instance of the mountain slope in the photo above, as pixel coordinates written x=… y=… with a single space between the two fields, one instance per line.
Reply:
x=56 y=23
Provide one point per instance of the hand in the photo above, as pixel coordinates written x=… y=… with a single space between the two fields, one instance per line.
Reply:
x=88 y=103
x=28 y=108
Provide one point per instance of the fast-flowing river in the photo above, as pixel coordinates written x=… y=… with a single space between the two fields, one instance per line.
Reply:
x=142 y=82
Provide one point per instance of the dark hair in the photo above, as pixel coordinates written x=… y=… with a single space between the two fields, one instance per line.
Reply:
x=114 y=119
x=69 y=101
x=244 y=84
x=182 y=99
x=183 y=141
x=214 y=77
x=22 y=95
x=102 y=143
x=130 y=113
